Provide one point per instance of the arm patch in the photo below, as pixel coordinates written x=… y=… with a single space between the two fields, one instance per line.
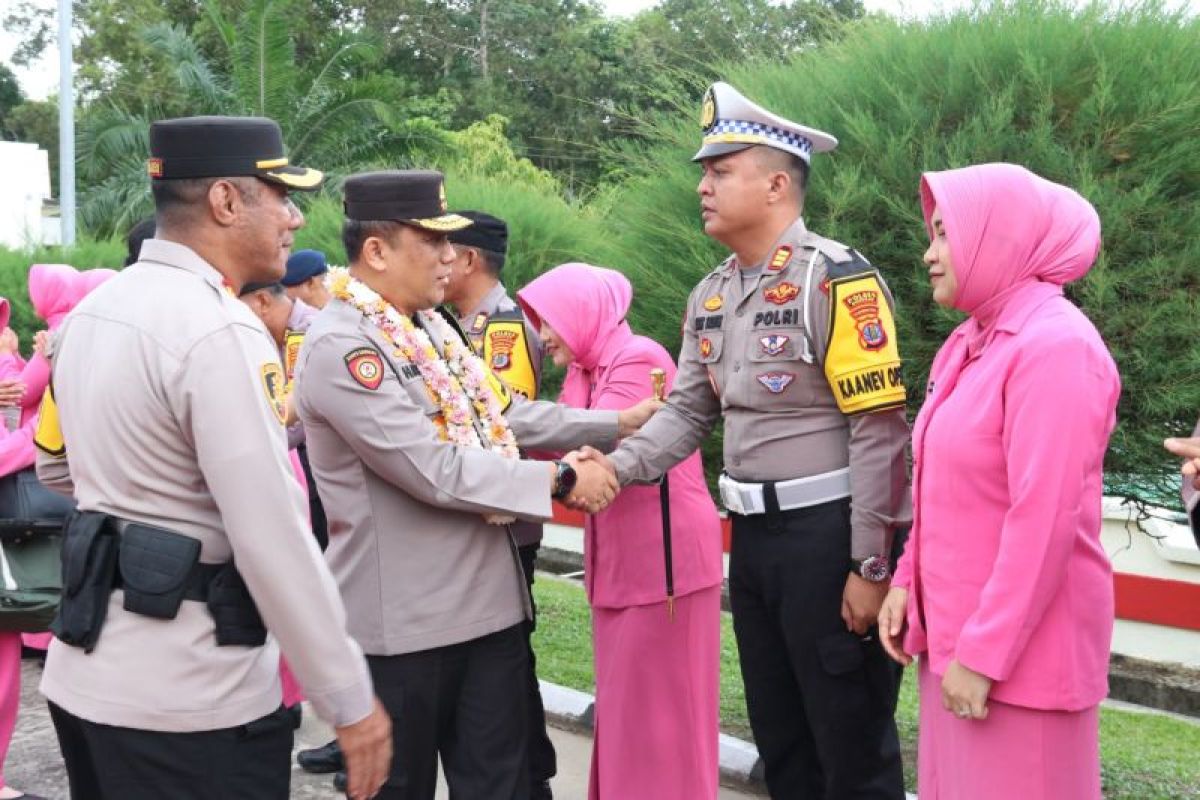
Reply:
x=48 y=436
x=506 y=353
x=862 y=359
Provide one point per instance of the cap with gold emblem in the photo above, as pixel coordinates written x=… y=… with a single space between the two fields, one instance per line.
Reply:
x=731 y=122
x=224 y=147
x=415 y=197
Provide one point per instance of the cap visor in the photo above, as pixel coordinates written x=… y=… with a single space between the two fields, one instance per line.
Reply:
x=722 y=149
x=299 y=178
x=442 y=224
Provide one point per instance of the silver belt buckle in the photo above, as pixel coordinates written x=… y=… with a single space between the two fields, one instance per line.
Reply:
x=731 y=495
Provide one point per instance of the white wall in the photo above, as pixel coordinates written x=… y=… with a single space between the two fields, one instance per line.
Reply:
x=24 y=184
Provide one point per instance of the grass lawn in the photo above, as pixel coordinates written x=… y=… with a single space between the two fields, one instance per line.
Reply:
x=1145 y=757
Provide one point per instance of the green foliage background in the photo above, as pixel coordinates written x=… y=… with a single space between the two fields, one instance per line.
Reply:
x=1101 y=99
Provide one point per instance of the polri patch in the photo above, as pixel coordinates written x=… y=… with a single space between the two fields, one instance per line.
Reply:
x=782 y=293
x=366 y=367
x=273 y=382
x=864 y=308
x=714 y=303
x=778 y=261
x=776 y=382
x=774 y=344
x=502 y=344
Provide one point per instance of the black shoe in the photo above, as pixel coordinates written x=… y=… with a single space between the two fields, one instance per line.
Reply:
x=321 y=760
x=541 y=791
x=340 y=782
x=296 y=713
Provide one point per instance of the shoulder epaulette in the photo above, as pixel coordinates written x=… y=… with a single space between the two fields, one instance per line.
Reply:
x=508 y=314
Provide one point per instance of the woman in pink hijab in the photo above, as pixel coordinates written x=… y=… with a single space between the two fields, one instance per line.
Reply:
x=54 y=289
x=1004 y=589
x=656 y=677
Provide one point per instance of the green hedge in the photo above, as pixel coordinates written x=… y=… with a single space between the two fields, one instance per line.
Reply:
x=1102 y=100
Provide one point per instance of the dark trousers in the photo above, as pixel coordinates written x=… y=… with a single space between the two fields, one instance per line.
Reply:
x=466 y=703
x=316 y=511
x=821 y=699
x=543 y=764
x=249 y=762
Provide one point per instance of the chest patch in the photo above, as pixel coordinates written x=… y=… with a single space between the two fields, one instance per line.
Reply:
x=365 y=366
x=272 y=382
x=787 y=316
x=502 y=343
x=714 y=303
x=708 y=323
x=706 y=346
x=781 y=294
x=778 y=261
x=776 y=382
x=774 y=344
x=864 y=308
x=479 y=322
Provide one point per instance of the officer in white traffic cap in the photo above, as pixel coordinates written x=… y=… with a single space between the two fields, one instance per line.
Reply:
x=792 y=341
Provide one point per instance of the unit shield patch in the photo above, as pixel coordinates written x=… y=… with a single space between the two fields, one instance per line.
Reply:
x=273 y=385
x=366 y=367
x=782 y=293
x=862 y=360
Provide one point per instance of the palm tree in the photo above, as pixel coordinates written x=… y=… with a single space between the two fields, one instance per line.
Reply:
x=339 y=118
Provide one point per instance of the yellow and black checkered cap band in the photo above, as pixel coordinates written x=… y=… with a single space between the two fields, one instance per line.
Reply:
x=736 y=131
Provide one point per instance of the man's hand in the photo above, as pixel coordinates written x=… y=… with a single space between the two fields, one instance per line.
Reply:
x=11 y=391
x=633 y=418
x=596 y=483
x=41 y=341
x=892 y=622
x=861 y=601
x=1188 y=449
x=9 y=341
x=965 y=692
x=367 y=747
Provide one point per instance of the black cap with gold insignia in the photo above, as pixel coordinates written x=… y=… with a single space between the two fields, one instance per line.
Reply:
x=414 y=197
x=731 y=122
x=224 y=147
x=486 y=232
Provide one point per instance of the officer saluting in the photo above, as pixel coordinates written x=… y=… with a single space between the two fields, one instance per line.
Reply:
x=792 y=341
x=412 y=442
x=163 y=682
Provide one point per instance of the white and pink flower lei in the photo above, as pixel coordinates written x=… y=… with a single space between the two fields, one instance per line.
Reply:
x=457 y=379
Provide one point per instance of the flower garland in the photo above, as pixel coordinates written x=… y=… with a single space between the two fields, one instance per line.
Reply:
x=457 y=380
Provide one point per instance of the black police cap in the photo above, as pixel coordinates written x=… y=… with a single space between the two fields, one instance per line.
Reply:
x=415 y=197
x=487 y=233
x=224 y=147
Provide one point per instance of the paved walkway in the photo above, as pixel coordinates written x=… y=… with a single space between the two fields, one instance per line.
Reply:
x=34 y=764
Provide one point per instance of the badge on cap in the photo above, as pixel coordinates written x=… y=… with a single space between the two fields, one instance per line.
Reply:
x=776 y=382
x=714 y=303
x=780 y=259
x=366 y=367
x=708 y=110
x=442 y=197
x=272 y=381
x=154 y=167
x=781 y=293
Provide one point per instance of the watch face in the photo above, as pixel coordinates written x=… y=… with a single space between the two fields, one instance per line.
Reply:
x=875 y=569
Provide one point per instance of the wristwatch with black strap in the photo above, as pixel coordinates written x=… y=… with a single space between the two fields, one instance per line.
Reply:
x=564 y=480
x=875 y=569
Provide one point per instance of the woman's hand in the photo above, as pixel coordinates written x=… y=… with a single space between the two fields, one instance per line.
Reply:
x=9 y=342
x=965 y=692
x=893 y=619
x=11 y=391
x=633 y=418
x=41 y=341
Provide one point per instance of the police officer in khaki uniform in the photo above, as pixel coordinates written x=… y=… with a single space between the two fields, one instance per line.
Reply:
x=510 y=346
x=168 y=431
x=419 y=478
x=792 y=341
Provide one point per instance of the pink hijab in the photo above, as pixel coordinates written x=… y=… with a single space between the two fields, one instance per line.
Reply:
x=586 y=306
x=1007 y=228
x=54 y=289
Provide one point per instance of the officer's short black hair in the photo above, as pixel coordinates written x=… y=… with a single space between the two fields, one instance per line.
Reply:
x=492 y=260
x=790 y=163
x=137 y=234
x=355 y=233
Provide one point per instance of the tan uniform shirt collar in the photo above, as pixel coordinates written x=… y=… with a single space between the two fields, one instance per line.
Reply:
x=180 y=256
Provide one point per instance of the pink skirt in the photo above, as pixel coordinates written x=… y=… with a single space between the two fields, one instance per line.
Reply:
x=1016 y=752
x=657 y=687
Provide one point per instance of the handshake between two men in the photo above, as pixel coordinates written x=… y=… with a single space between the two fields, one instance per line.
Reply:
x=596 y=484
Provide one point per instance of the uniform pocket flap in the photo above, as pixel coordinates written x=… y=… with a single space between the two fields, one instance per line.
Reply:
x=155 y=561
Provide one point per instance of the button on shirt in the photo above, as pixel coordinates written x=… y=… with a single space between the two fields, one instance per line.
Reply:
x=166 y=388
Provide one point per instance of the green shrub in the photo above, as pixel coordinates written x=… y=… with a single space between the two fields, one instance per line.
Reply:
x=1101 y=99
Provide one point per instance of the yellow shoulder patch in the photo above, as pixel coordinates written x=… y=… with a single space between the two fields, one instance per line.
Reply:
x=862 y=361
x=48 y=437
x=291 y=353
x=273 y=387
x=501 y=391
x=506 y=353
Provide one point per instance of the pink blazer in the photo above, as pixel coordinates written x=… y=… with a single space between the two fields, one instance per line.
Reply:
x=1004 y=566
x=623 y=553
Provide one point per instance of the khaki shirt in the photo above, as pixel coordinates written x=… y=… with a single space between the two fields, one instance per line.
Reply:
x=417 y=564
x=167 y=390
x=758 y=357
x=508 y=357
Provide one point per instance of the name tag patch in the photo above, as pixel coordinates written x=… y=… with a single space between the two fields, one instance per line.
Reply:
x=776 y=382
x=366 y=367
x=708 y=323
x=781 y=294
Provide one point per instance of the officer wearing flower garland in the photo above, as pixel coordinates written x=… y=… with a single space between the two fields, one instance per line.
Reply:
x=793 y=342
x=412 y=442
x=510 y=347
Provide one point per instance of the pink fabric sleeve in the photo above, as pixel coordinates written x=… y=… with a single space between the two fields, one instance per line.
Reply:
x=1058 y=412
x=903 y=577
x=36 y=377
x=628 y=383
x=16 y=447
x=11 y=365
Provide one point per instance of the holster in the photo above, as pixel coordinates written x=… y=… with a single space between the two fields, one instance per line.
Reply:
x=89 y=565
x=156 y=569
x=233 y=610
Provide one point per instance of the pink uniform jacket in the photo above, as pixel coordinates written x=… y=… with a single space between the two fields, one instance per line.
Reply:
x=623 y=558
x=1004 y=565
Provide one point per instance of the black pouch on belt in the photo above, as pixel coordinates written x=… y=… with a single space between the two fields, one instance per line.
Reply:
x=156 y=569
x=89 y=564
x=233 y=610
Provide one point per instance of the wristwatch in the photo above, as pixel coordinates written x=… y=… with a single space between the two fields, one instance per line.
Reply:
x=564 y=480
x=875 y=569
